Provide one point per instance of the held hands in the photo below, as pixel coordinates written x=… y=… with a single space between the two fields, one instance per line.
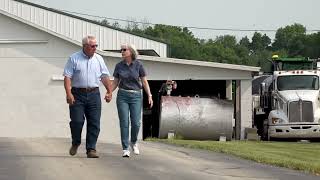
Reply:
x=150 y=101
x=108 y=97
x=70 y=99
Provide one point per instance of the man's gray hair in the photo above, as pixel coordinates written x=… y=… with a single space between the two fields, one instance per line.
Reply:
x=87 y=38
x=133 y=50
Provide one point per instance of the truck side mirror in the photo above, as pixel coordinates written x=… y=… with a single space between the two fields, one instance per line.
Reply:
x=263 y=95
x=263 y=88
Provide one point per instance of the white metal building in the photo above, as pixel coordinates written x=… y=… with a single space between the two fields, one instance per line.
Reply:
x=35 y=43
x=74 y=28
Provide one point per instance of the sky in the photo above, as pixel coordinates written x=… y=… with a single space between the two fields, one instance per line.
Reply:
x=216 y=14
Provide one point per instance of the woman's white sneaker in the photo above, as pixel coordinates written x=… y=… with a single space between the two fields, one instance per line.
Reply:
x=126 y=153
x=135 y=148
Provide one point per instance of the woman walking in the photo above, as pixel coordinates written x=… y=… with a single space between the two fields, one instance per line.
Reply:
x=130 y=76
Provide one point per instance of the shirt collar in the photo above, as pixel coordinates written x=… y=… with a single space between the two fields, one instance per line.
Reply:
x=84 y=54
x=132 y=63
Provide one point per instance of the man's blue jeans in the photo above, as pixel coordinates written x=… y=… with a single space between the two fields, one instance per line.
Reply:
x=129 y=104
x=87 y=106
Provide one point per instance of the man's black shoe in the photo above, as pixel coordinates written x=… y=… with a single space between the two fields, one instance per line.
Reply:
x=73 y=150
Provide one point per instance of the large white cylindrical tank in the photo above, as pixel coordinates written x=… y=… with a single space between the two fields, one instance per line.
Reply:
x=196 y=118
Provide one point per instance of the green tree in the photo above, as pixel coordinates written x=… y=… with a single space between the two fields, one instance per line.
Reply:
x=259 y=42
x=116 y=25
x=224 y=49
x=133 y=26
x=244 y=55
x=291 y=39
x=245 y=42
x=105 y=22
x=312 y=46
x=182 y=42
x=227 y=41
x=261 y=59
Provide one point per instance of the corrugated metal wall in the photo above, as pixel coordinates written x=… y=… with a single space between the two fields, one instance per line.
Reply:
x=75 y=29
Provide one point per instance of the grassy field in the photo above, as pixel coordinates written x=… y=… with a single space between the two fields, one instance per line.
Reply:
x=294 y=155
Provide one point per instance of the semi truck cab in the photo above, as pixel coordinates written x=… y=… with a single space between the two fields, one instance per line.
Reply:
x=288 y=102
x=295 y=111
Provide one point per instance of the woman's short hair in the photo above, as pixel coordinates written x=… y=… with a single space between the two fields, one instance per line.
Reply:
x=87 y=38
x=133 y=50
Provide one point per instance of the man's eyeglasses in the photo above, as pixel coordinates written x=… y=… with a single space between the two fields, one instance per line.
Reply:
x=123 y=49
x=93 y=46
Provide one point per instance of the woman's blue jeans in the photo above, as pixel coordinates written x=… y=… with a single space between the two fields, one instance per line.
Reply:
x=129 y=105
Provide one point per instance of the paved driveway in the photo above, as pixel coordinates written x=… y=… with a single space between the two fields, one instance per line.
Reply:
x=48 y=159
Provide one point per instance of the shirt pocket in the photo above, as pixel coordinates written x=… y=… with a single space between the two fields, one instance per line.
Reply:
x=77 y=70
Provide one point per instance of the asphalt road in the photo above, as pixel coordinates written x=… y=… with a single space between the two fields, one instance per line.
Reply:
x=48 y=159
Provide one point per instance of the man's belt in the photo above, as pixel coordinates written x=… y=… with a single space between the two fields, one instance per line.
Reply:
x=89 y=89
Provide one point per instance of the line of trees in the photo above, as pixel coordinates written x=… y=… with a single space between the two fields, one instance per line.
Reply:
x=290 y=41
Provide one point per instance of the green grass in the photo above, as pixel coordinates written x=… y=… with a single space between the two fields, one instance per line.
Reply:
x=294 y=155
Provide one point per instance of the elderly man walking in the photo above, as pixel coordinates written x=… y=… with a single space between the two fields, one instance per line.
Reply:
x=82 y=75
